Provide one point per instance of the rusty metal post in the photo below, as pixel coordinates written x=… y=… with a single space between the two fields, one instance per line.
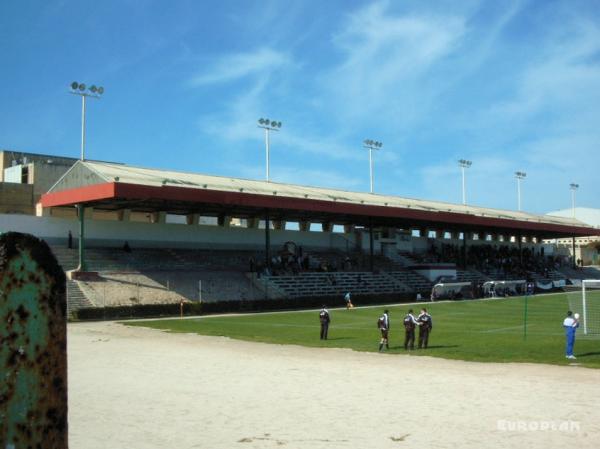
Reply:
x=33 y=345
x=81 y=215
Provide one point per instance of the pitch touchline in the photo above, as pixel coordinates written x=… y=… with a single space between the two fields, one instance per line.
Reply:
x=501 y=329
x=376 y=306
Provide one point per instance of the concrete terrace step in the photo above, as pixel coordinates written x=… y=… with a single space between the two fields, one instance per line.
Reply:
x=76 y=299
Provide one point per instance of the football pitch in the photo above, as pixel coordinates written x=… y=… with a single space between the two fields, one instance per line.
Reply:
x=491 y=330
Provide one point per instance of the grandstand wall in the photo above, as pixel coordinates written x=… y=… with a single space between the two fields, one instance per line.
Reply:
x=148 y=235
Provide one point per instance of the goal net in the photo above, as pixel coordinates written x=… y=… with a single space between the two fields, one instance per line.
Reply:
x=587 y=305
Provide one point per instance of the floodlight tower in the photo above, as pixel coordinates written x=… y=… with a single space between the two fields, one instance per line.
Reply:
x=573 y=187
x=371 y=145
x=463 y=163
x=268 y=125
x=92 y=92
x=519 y=175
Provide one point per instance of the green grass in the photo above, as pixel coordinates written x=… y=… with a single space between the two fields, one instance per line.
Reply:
x=483 y=331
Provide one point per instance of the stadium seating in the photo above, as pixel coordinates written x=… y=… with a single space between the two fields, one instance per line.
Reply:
x=171 y=274
x=336 y=284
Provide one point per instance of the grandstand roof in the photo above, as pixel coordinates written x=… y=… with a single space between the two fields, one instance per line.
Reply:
x=112 y=186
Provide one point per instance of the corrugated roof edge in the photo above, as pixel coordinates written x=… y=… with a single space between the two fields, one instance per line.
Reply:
x=514 y=215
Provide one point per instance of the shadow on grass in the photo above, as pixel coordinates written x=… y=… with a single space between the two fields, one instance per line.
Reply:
x=401 y=348
x=443 y=346
x=440 y=347
x=588 y=354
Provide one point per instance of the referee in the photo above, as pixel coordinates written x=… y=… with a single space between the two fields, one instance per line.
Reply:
x=383 y=323
x=325 y=319
x=410 y=322
x=426 y=325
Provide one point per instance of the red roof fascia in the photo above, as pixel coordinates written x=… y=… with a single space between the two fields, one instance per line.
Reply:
x=120 y=190
x=79 y=195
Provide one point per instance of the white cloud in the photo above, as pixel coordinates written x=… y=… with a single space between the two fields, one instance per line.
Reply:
x=238 y=121
x=240 y=65
x=558 y=80
x=386 y=61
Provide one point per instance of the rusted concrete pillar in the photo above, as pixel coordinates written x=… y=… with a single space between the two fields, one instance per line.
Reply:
x=192 y=219
x=33 y=345
x=326 y=226
x=158 y=217
x=224 y=221
x=124 y=215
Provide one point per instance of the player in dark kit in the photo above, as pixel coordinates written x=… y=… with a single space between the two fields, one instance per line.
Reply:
x=410 y=322
x=426 y=325
x=383 y=324
x=325 y=319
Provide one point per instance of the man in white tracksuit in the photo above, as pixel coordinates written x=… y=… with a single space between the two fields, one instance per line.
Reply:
x=570 y=325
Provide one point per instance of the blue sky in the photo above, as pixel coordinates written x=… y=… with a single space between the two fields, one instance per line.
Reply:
x=512 y=85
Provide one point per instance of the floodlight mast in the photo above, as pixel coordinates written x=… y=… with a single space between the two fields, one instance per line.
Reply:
x=371 y=145
x=519 y=175
x=93 y=92
x=463 y=163
x=573 y=187
x=268 y=125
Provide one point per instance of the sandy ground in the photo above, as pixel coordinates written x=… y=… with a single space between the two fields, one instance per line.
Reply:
x=135 y=388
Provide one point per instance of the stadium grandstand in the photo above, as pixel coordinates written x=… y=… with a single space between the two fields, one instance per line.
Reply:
x=132 y=235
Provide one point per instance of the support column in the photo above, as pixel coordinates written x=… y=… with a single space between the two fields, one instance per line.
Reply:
x=224 y=221
x=42 y=211
x=267 y=239
x=574 y=254
x=520 y=239
x=158 y=217
x=192 y=219
x=371 y=250
x=124 y=215
x=464 y=249
x=81 y=215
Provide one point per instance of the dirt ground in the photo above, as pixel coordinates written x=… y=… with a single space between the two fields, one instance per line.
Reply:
x=135 y=388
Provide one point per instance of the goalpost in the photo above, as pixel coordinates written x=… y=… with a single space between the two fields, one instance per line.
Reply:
x=588 y=306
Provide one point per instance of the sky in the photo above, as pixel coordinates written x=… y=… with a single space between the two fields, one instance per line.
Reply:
x=511 y=86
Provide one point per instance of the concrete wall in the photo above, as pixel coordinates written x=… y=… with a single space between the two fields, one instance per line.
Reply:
x=44 y=175
x=16 y=198
x=7 y=157
x=115 y=233
x=43 y=171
